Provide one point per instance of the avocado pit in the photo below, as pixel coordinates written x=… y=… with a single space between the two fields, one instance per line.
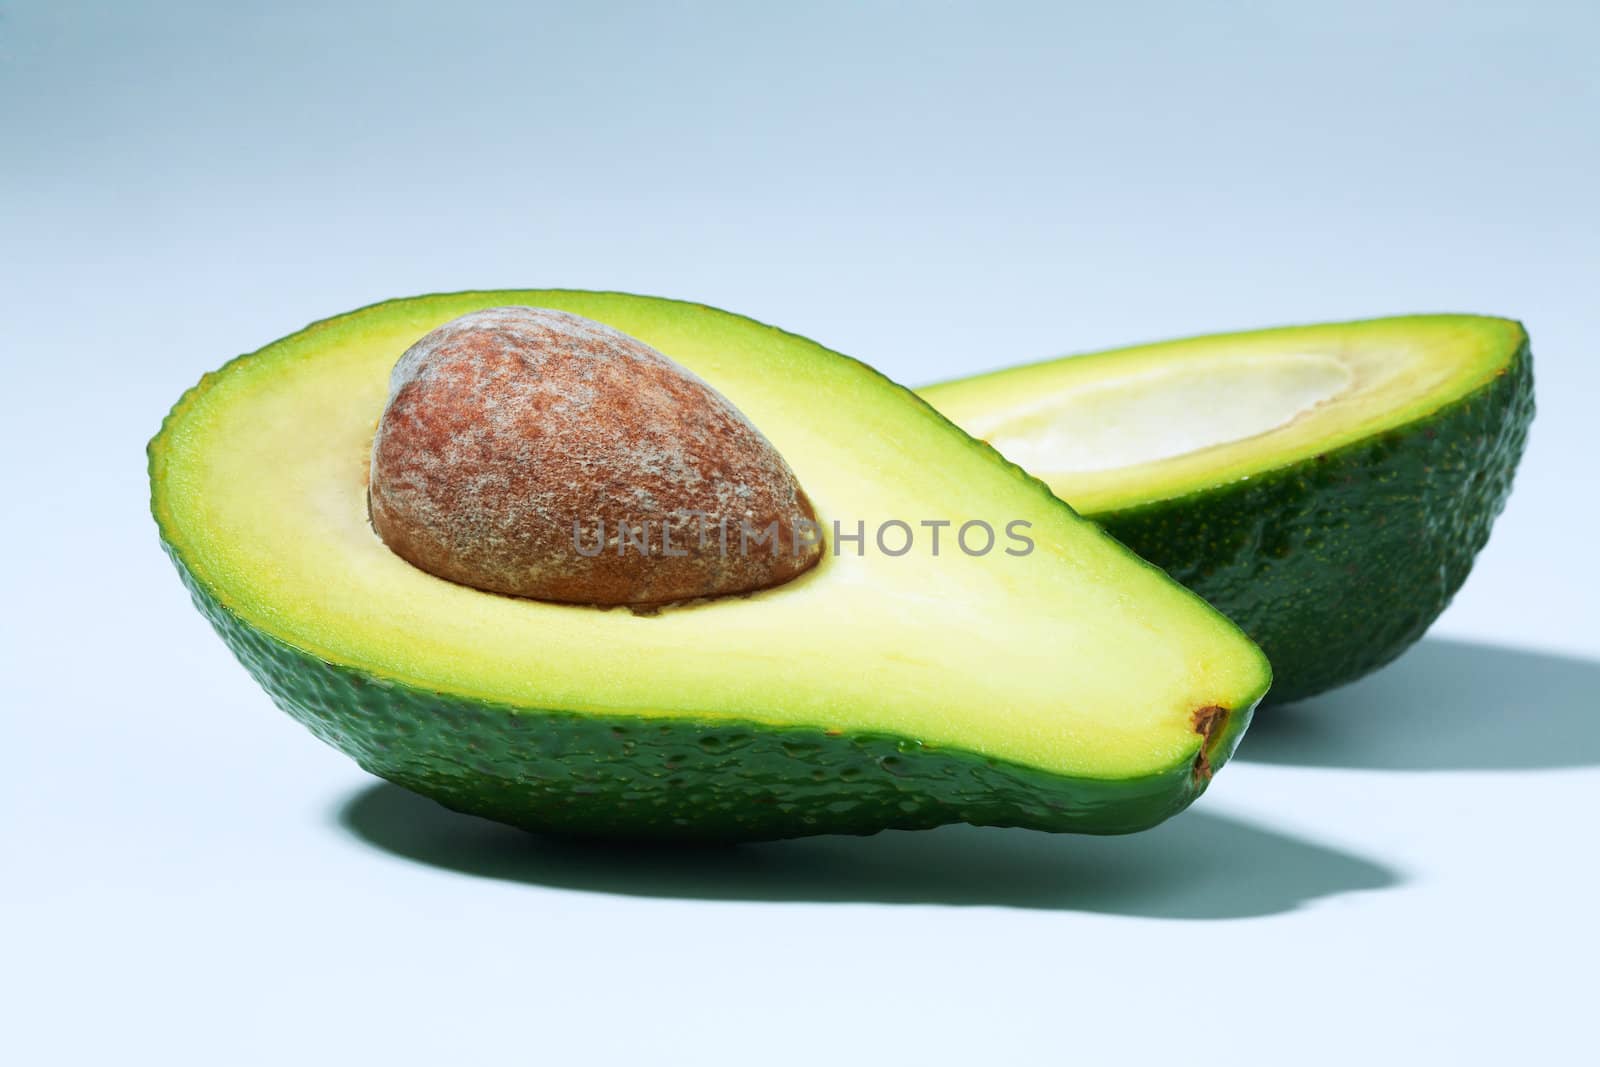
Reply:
x=537 y=453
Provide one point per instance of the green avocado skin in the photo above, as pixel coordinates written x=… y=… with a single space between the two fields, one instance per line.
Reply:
x=677 y=778
x=1336 y=566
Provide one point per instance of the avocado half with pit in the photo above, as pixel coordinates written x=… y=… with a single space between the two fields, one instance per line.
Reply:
x=1327 y=487
x=1070 y=687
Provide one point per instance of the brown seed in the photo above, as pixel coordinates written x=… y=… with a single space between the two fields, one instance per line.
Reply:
x=514 y=436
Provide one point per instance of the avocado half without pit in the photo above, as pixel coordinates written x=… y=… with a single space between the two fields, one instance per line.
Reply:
x=394 y=519
x=1326 y=487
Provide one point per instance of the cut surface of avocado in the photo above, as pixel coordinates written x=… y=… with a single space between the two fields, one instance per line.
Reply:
x=1326 y=486
x=1081 y=437
x=1073 y=687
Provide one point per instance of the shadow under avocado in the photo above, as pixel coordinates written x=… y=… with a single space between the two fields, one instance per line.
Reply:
x=1196 y=866
x=1444 y=705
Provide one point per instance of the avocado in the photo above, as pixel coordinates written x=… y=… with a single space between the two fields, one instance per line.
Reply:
x=1327 y=487
x=1042 y=676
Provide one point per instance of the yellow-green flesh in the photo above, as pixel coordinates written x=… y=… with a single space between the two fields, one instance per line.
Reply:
x=1129 y=426
x=1077 y=659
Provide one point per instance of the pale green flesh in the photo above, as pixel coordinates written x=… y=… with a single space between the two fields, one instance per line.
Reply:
x=1128 y=426
x=1077 y=658
x=1123 y=422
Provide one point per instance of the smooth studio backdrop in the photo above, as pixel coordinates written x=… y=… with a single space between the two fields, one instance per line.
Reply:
x=1405 y=869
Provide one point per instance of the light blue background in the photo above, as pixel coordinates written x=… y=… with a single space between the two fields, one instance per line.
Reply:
x=1405 y=869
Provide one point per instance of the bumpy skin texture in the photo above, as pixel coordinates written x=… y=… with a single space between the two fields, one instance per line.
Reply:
x=1336 y=566
x=538 y=453
x=676 y=778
